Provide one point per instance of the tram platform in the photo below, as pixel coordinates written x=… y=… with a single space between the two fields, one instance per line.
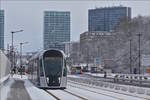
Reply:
x=20 y=88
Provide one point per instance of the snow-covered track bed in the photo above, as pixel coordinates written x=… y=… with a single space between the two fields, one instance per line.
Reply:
x=82 y=98
x=65 y=95
x=113 y=86
x=92 y=95
x=109 y=93
x=54 y=96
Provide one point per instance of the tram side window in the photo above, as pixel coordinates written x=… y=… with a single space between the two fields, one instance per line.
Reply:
x=65 y=69
x=41 y=69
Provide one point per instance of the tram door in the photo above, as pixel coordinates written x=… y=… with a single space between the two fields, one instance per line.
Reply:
x=64 y=76
x=38 y=73
x=42 y=78
x=53 y=68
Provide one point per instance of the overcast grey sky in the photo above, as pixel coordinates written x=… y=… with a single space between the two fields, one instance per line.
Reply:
x=28 y=15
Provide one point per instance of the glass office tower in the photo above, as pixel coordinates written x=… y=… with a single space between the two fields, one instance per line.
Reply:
x=108 y=18
x=56 y=29
x=1 y=29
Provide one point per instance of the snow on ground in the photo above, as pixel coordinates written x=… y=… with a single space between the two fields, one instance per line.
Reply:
x=4 y=79
x=124 y=96
x=34 y=92
x=5 y=89
x=135 y=90
x=63 y=95
x=74 y=76
x=84 y=90
x=78 y=76
x=110 y=75
x=19 y=77
x=89 y=95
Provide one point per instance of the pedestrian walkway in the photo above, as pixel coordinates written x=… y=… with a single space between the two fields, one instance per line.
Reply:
x=17 y=88
x=18 y=91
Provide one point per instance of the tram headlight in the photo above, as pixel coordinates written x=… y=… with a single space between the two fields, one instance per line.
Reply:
x=47 y=79
x=59 y=79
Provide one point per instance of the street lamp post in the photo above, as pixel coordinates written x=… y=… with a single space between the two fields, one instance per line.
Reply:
x=87 y=60
x=99 y=56
x=21 y=44
x=139 y=35
x=130 y=56
x=12 y=51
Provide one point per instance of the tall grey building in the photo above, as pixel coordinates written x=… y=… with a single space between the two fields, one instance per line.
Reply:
x=1 y=29
x=108 y=18
x=56 y=29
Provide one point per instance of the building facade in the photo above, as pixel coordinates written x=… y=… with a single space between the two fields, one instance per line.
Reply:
x=97 y=45
x=56 y=29
x=68 y=48
x=1 y=29
x=108 y=18
x=75 y=53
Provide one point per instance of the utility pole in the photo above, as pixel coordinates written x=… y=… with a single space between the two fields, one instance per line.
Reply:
x=87 y=57
x=21 y=58
x=12 y=50
x=139 y=35
x=130 y=56
x=99 y=56
x=21 y=67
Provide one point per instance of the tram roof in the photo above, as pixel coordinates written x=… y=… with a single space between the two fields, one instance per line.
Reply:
x=40 y=54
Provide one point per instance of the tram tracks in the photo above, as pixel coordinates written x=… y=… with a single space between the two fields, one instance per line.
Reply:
x=66 y=91
x=98 y=92
x=144 y=98
x=56 y=97
x=82 y=98
x=63 y=94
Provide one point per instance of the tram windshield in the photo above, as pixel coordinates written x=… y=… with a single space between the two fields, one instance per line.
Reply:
x=53 y=66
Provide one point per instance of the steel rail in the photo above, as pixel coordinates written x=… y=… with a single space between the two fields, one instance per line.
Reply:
x=98 y=92
x=75 y=95
x=57 y=98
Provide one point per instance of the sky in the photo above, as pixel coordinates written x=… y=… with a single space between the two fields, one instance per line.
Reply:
x=29 y=16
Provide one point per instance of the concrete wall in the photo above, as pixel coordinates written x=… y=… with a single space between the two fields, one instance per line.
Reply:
x=5 y=65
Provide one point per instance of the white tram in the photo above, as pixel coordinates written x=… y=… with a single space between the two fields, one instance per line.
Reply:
x=47 y=69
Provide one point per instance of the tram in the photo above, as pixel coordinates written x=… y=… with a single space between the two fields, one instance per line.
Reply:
x=47 y=69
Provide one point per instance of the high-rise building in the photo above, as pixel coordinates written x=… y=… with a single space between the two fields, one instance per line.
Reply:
x=108 y=18
x=56 y=29
x=1 y=29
